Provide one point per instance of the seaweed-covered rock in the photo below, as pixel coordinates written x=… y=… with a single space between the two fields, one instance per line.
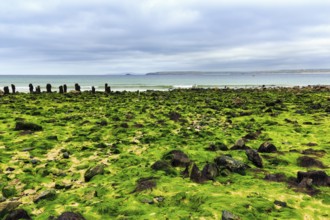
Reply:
x=280 y=203
x=177 y=158
x=47 y=194
x=306 y=161
x=162 y=165
x=18 y=214
x=267 y=147
x=192 y=171
x=6 y=90
x=236 y=166
x=229 y=216
x=49 y=88
x=217 y=146
x=174 y=116
x=254 y=157
x=210 y=171
x=6 y=207
x=240 y=145
x=252 y=135
x=145 y=184
x=276 y=177
x=31 y=88
x=93 y=171
x=320 y=178
x=24 y=126
x=70 y=216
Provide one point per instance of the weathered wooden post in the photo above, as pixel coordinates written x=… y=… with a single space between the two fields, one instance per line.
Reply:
x=6 y=90
x=13 y=88
x=49 y=88
x=93 y=89
x=77 y=87
x=31 y=88
x=65 y=88
x=107 y=88
x=38 y=90
x=61 y=89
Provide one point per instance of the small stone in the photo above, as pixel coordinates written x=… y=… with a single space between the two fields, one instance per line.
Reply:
x=279 y=203
x=177 y=158
x=267 y=148
x=6 y=207
x=70 y=216
x=10 y=169
x=93 y=171
x=254 y=157
x=229 y=216
x=225 y=162
x=18 y=214
x=66 y=155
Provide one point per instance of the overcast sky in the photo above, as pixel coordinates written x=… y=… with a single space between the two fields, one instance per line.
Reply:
x=139 y=36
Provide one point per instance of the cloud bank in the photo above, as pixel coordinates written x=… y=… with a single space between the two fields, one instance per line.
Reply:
x=139 y=36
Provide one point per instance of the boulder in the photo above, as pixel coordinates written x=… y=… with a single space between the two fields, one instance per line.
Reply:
x=162 y=165
x=70 y=216
x=210 y=171
x=18 y=214
x=240 y=145
x=93 y=171
x=24 y=126
x=319 y=178
x=192 y=171
x=6 y=207
x=276 y=177
x=306 y=161
x=47 y=194
x=267 y=147
x=217 y=146
x=236 y=166
x=254 y=157
x=177 y=158
x=145 y=184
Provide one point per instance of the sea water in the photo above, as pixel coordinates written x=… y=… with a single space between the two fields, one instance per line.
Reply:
x=164 y=82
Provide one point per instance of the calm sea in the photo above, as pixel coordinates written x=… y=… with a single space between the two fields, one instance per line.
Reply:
x=165 y=82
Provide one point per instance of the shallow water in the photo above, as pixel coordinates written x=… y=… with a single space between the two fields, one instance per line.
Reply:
x=165 y=82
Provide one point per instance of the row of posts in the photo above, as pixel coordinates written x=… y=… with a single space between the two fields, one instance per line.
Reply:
x=62 y=89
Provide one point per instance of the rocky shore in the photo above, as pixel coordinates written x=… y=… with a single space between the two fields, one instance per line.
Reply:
x=181 y=154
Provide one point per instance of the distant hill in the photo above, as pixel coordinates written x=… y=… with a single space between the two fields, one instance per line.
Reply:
x=240 y=72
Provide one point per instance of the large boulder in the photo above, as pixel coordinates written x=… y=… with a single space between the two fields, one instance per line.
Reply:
x=210 y=171
x=236 y=166
x=93 y=171
x=306 y=161
x=6 y=207
x=267 y=147
x=177 y=158
x=254 y=157
x=319 y=177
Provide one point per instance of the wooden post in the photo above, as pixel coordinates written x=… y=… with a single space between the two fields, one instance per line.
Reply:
x=49 y=88
x=65 y=88
x=13 y=88
x=77 y=87
x=38 y=90
x=93 y=89
x=31 y=88
x=61 y=89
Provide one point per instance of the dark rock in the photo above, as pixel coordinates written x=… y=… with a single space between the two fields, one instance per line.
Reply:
x=52 y=138
x=49 y=88
x=279 y=203
x=217 y=146
x=177 y=158
x=276 y=177
x=254 y=157
x=13 y=88
x=10 y=169
x=320 y=178
x=48 y=194
x=77 y=87
x=192 y=171
x=311 y=151
x=38 y=90
x=229 y=216
x=60 y=88
x=210 y=171
x=18 y=214
x=311 y=144
x=306 y=161
x=66 y=155
x=70 y=216
x=174 y=116
x=240 y=145
x=101 y=145
x=145 y=184
x=306 y=183
x=93 y=89
x=93 y=171
x=35 y=161
x=65 y=88
x=162 y=165
x=252 y=135
x=20 y=125
x=62 y=186
x=6 y=90
x=107 y=88
x=267 y=148
x=6 y=207
x=225 y=162
x=31 y=88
